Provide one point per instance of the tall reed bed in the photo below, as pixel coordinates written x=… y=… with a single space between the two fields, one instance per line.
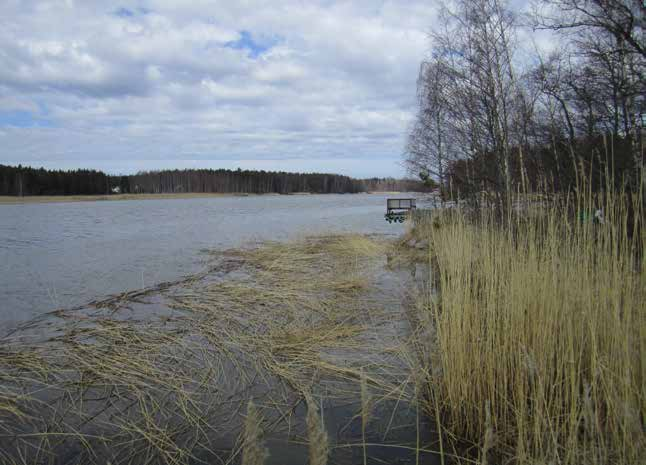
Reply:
x=540 y=322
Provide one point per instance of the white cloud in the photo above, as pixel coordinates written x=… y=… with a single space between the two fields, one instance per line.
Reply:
x=327 y=85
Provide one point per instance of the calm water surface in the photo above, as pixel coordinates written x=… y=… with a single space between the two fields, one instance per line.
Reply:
x=66 y=254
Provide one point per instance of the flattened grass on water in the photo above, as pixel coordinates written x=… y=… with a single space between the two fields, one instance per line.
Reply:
x=167 y=388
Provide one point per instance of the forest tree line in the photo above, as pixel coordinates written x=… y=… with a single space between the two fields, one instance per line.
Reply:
x=23 y=181
x=236 y=181
x=497 y=117
x=19 y=180
x=397 y=185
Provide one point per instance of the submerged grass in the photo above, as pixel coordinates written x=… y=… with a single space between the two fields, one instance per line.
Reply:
x=539 y=331
x=231 y=359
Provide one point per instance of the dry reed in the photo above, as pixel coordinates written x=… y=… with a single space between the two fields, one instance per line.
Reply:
x=316 y=434
x=253 y=449
x=539 y=330
x=366 y=405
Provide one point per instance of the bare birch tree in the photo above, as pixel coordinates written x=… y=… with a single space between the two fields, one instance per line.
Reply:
x=469 y=94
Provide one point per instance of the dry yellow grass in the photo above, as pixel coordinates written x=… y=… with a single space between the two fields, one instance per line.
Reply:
x=539 y=327
x=173 y=387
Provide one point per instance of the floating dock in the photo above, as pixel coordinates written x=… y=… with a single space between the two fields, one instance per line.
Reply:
x=397 y=210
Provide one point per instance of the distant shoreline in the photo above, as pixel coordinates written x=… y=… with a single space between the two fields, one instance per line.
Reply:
x=15 y=200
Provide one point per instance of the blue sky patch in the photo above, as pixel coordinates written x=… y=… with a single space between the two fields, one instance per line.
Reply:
x=246 y=42
x=124 y=13
x=22 y=119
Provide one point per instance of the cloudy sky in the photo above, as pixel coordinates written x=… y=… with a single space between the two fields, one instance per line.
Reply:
x=278 y=85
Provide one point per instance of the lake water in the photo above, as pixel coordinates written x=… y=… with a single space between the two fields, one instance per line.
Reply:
x=61 y=255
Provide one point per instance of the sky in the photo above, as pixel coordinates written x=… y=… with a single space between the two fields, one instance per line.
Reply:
x=326 y=86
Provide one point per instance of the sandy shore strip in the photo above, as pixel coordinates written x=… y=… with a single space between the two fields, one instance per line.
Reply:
x=15 y=200
x=10 y=200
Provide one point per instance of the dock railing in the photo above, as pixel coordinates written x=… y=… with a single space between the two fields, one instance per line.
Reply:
x=398 y=209
x=400 y=204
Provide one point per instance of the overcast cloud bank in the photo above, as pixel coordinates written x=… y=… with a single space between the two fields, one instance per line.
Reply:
x=324 y=86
